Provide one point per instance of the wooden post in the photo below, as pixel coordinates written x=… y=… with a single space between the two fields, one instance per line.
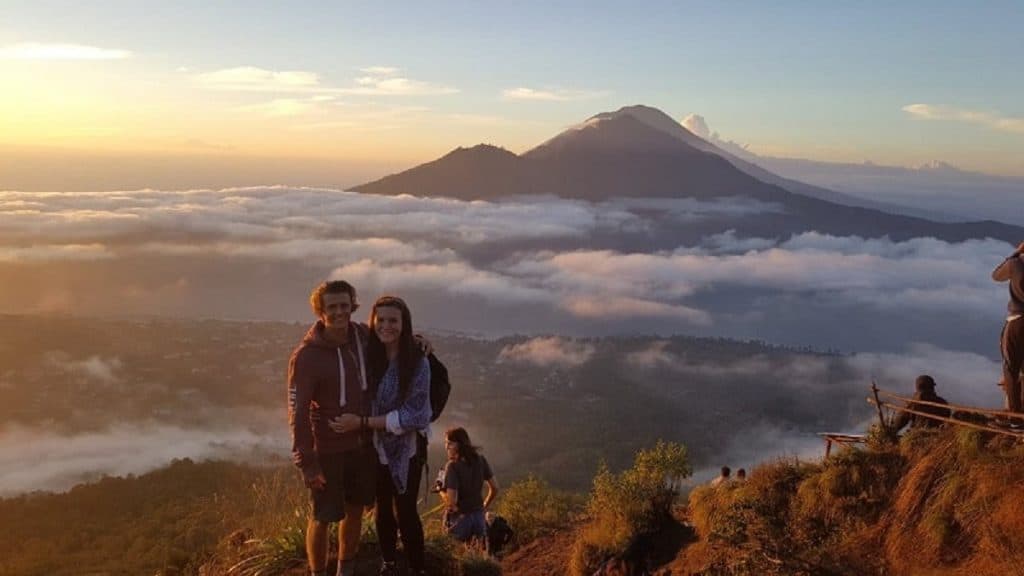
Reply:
x=878 y=405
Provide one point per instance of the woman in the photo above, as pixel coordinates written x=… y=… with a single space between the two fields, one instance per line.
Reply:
x=464 y=477
x=400 y=412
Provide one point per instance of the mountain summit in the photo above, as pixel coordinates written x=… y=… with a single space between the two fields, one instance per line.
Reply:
x=641 y=152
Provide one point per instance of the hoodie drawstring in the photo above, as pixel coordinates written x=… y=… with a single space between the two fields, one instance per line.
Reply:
x=342 y=400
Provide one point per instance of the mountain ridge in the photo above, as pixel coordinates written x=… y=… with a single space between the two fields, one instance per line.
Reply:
x=620 y=155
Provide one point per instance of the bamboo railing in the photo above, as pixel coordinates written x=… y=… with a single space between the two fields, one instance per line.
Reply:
x=877 y=400
x=883 y=399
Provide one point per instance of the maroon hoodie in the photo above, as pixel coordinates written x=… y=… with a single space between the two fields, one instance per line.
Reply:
x=318 y=372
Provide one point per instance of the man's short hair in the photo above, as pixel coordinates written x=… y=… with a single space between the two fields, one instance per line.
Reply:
x=924 y=382
x=726 y=471
x=316 y=298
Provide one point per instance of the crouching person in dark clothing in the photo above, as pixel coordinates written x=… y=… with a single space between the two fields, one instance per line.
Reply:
x=499 y=534
x=925 y=390
x=465 y=475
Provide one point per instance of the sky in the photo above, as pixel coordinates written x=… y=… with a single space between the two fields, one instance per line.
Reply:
x=194 y=93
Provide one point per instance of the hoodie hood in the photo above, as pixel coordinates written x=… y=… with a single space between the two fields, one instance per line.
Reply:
x=315 y=335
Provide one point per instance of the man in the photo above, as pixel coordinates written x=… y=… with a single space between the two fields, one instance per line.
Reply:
x=327 y=378
x=924 y=390
x=722 y=478
x=1011 y=341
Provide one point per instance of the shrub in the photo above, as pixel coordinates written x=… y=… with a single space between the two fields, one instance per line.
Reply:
x=627 y=505
x=533 y=508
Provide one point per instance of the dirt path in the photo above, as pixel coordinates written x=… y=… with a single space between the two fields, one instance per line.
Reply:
x=546 y=556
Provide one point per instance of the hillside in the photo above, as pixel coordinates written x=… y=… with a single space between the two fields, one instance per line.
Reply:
x=941 y=502
x=938 y=503
x=165 y=522
x=944 y=502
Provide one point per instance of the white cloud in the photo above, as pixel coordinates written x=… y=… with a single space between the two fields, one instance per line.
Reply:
x=377 y=81
x=380 y=70
x=279 y=213
x=49 y=253
x=693 y=209
x=961 y=377
x=695 y=123
x=391 y=85
x=728 y=242
x=991 y=120
x=761 y=444
x=97 y=368
x=41 y=51
x=455 y=277
x=254 y=79
x=34 y=459
x=492 y=249
x=284 y=106
x=548 y=352
x=921 y=273
x=550 y=95
x=624 y=307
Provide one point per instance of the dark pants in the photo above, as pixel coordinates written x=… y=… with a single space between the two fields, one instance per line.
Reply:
x=350 y=480
x=1011 y=343
x=403 y=506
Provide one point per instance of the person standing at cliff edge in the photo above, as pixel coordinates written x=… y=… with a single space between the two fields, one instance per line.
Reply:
x=1011 y=340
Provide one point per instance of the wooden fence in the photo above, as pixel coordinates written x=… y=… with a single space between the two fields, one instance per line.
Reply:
x=984 y=418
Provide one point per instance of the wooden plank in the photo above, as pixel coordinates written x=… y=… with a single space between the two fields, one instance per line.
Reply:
x=966 y=423
x=954 y=407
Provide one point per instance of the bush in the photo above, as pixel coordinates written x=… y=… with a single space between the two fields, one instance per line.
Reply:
x=533 y=509
x=746 y=526
x=625 y=506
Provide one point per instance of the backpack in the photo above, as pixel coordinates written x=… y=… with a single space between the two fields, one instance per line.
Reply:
x=440 y=387
x=499 y=533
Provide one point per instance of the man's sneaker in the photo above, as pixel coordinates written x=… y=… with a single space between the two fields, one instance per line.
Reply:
x=388 y=569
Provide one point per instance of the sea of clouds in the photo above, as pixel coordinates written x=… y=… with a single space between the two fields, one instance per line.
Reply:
x=537 y=251
x=528 y=265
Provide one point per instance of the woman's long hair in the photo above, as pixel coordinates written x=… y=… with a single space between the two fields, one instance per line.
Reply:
x=409 y=354
x=467 y=451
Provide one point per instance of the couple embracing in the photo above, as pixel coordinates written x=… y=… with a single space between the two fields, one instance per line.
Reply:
x=358 y=401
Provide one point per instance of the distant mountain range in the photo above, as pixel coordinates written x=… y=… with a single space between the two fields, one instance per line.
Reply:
x=641 y=152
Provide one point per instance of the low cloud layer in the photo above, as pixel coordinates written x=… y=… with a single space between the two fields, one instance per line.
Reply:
x=761 y=444
x=34 y=459
x=537 y=251
x=962 y=377
x=95 y=368
x=548 y=352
